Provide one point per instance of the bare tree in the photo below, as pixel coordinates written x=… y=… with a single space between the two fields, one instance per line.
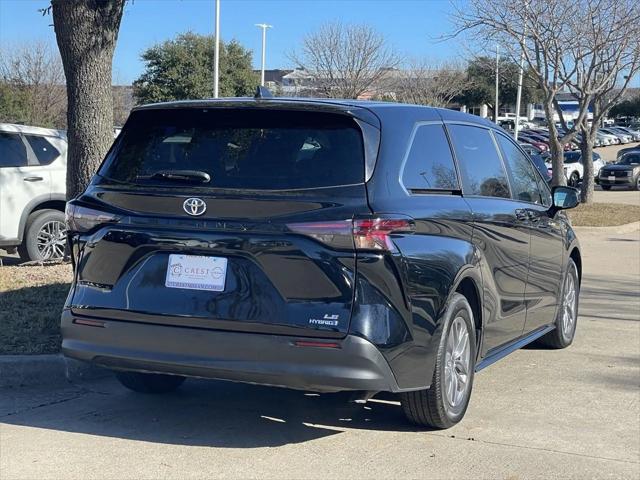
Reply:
x=34 y=72
x=543 y=31
x=86 y=32
x=423 y=83
x=345 y=61
x=606 y=57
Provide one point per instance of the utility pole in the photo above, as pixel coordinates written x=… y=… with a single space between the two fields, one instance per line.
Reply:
x=519 y=96
x=516 y=127
x=216 y=60
x=264 y=27
x=495 y=110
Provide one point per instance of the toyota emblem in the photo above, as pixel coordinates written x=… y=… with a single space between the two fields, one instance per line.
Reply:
x=194 y=206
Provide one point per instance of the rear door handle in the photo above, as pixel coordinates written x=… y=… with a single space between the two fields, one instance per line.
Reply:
x=33 y=179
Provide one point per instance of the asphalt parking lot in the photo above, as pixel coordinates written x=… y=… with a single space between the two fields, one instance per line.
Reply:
x=537 y=414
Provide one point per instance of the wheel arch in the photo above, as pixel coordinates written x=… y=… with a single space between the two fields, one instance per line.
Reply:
x=577 y=259
x=468 y=283
x=41 y=202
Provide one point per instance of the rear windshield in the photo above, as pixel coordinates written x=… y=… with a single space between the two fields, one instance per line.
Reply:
x=242 y=148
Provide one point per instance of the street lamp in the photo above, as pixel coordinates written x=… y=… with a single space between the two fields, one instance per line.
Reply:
x=216 y=62
x=264 y=27
x=495 y=112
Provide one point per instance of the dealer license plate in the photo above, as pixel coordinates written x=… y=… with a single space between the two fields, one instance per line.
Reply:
x=195 y=272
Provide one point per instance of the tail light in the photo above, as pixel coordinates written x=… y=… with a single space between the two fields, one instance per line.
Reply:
x=82 y=219
x=375 y=234
x=364 y=234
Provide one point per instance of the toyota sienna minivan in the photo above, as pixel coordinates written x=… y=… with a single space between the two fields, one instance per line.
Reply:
x=321 y=245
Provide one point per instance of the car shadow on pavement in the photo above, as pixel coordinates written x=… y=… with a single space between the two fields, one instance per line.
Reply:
x=213 y=414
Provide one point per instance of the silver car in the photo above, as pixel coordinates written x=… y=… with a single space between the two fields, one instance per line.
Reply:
x=635 y=134
x=605 y=140
x=624 y=137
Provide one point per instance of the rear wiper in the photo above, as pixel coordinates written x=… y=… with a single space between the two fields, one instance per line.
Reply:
x=195 y=176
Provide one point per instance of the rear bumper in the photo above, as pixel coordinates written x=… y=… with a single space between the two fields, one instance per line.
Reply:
x=238 y=356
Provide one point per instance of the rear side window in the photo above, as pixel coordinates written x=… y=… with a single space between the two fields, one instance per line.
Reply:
x=12 y=151
x=524 y=180
x=242 y=148
x=480 y=166
x=429 y=163
x=45 y=152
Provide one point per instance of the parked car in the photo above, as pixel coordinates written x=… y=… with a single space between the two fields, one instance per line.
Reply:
x=623 y=137
x=605 y=140
x=573 y=168
x=539 y=145
x=623 y=151
x=32 y=191
x=614 y=139
x=543 y=135
x=530 y=149
x=635 y=134
x=624 y=172
x=322 y=245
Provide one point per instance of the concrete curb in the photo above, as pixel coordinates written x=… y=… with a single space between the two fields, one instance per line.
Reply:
x=613 y=230
x=28 y=370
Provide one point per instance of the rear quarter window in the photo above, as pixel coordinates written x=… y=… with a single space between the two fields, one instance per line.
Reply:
x=44 y=151
x=240 y=149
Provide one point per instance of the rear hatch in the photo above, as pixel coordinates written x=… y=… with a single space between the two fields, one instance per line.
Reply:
x=200 y=217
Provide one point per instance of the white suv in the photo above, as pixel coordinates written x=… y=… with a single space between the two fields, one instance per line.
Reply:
x=573 y=169
x=33 y=165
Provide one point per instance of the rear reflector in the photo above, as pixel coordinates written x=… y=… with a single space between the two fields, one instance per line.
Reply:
x=89 y=323
x=305 y=343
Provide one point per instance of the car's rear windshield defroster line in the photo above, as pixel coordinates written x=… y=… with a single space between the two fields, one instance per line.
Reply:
x=240 y=149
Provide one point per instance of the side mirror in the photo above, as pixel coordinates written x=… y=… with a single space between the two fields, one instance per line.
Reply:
x=564 y=198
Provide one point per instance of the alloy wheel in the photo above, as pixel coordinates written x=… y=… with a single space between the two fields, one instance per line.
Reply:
x=51 y=239
x=569 y=307
x=457 y=364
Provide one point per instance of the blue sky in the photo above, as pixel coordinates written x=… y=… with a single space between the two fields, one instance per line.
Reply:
x=411 y=26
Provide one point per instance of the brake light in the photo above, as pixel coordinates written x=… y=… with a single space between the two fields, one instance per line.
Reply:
x=375 y=234
x=363 y=234
x=82 y=219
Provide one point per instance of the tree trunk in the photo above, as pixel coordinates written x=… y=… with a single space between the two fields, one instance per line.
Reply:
x=555 y=147
x=586 y=154
x=86 y=32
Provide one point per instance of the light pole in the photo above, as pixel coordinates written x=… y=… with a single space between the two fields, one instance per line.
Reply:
x=264 y=27
x=216 y=59
x=519 y=96
x=495 y=111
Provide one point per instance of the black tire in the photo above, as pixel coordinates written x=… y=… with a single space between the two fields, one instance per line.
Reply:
x=574 y=180
x=606 y=187
x=29 y=250
x=559 y=337
x=430 y=407
x=149 y=382
x=637 y=183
